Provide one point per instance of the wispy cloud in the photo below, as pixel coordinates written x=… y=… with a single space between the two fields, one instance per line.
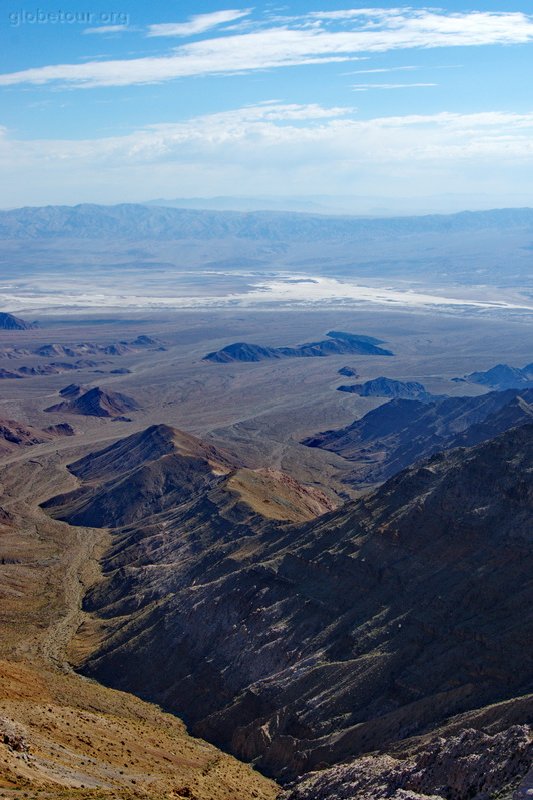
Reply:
x=107 y=29
x=363 y=31
x=381 y=69
x=365 y=87
x=408 y=68
x=290 y=134
x=197 y=24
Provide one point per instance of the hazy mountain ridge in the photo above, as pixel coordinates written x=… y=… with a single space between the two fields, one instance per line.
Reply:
x=502 y=376
x=136 y=221
x=8 y=322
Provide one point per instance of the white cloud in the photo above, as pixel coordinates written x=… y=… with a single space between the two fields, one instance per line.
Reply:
x=265 y=148
x=309 y=129
x=365 y=87
x=382 y=69
x=107 y=29
x=372 y=31
x=197 y=24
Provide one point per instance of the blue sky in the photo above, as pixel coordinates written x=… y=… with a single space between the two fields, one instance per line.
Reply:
x=126 y=101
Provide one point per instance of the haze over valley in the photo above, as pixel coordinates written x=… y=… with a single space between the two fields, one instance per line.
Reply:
x=142 y=257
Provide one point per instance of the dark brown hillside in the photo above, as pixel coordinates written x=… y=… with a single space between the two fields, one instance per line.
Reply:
x=300 y=646
x=161 y=468
x=148 y=445
x=15 y=435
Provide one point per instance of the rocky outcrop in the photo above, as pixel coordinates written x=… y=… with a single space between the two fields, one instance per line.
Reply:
x=83 y=349
x=472 y=764
x=348 y=372
x=15 y=435
x=13 y=736
x=54 y=368
x=71 y=391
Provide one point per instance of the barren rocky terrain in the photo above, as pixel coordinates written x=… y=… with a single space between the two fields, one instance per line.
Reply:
x=194 y=552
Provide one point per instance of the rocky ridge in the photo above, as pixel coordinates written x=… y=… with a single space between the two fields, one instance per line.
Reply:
x=471 y=764
x=396 y=434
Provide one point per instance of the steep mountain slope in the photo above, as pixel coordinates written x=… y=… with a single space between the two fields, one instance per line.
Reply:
x=396 y=434
x=144 y=474
x=301 y=645
x=338 y=344
x=63 y=738
x=97 y=402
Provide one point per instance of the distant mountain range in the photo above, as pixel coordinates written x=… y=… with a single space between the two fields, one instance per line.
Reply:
x=141 y=222
x=359 y=205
